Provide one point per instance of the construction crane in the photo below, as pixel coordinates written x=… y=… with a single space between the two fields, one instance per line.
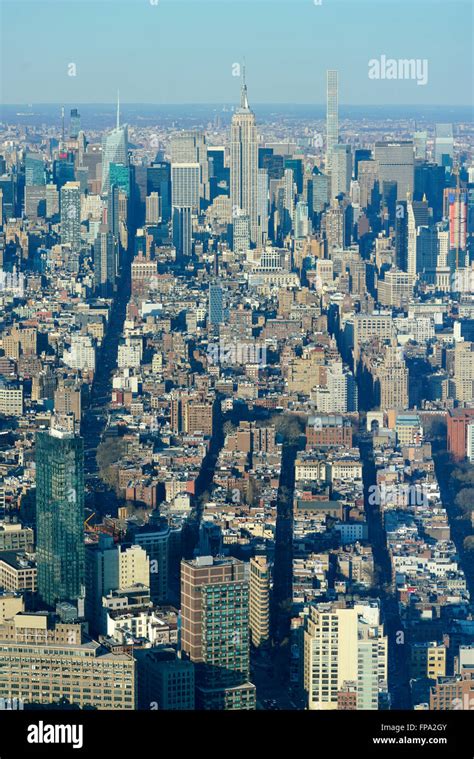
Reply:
x=87 y=526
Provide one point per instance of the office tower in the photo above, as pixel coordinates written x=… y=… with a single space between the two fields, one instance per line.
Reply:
x=419 y=144
x=274 y=164
x=444 y=144
x=262 y=207
x=105 y=261
x=360 y=154
x=158 y=179
x=216 y=304
x=333 y=226
x=215 y=631
x=59 y=516
x=191 y=147
x=395 y=289
x=120 y=176
x=332 y=116
x=185 y=185
x=114 y=150
x=341 y=169
x=288 y=201
x=157 y=539
x=393 y=380
x=38 y=653
x=463 y=379
x=457 y=214
x=52 y=201
x=301 y=220
x=8 y=189
x=219 y=173
x=401 y=235
x=71 y=215
x=35 y=201
x=153 y=204
x=343 y=646
x=75 y=124
x=118 y=206
x=244 y=163
x=259 y=601
x=320 y=191
x=395 y=162
x=430 y=181
x=63 y=170
x=368 y=179
x=240 y=232
x=216 y=158
x=389 y=203
x=34 y=170
x=427 y=250
x=182 y=232
x=443 y=272
x=418 y=215
x=296 y=165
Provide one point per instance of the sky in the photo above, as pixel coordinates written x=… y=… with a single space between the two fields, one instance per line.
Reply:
x=188 y=51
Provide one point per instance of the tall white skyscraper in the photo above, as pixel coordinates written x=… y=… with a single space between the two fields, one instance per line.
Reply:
x=114 y=150
x=190 y=147
x=244 y=163
x=185 y=185
x=332 y=114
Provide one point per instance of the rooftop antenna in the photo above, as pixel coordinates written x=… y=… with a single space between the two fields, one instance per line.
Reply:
x=62 y=117
x=244 y=103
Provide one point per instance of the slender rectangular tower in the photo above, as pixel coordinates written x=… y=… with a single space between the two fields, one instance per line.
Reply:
x=60 y=516
x=332 y=115
x=244 y=164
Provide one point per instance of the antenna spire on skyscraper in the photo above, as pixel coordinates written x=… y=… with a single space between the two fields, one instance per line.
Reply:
x=244 y=103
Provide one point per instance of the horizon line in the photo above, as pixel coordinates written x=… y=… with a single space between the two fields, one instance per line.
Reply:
x=256 y=104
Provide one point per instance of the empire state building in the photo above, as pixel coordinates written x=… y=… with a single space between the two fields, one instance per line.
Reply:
x=244 y=164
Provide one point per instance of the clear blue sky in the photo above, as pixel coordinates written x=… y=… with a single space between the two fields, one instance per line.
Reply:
x=182 y=51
